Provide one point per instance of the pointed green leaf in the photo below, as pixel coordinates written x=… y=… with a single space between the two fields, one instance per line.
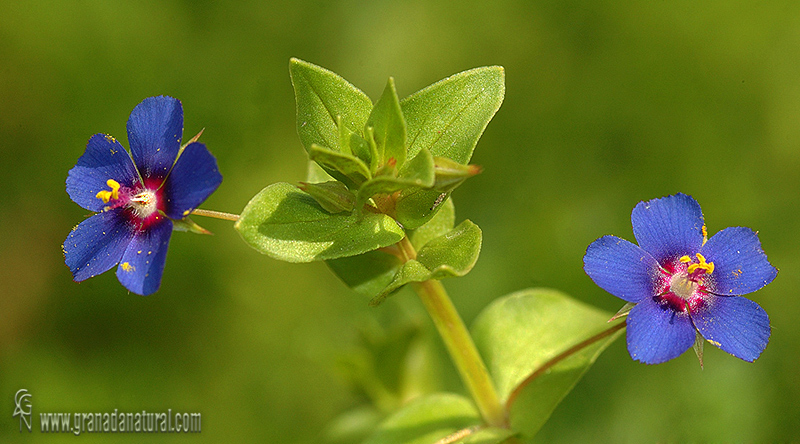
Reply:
x=414 y=207
x=420 y=169
x=369 y=137
x=352 y=143
x=450 y=174
x=418 y=172
x=449 y=116
x=186 y=224
x=321 y=97
x=426 y=420
x=371 y=272
x=389 y=127
x=344 y=167
x=452 y=254
x=315 y=173
x=537 y=344
x=288 y=224
x=333 y=196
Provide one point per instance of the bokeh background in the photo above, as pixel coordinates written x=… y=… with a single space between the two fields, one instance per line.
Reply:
x=608 y=103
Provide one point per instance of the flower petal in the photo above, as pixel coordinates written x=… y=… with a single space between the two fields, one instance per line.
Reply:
x=97 y=244
x=668 y=227
x=621 y=268
x=103 y=159
x=657 y=333
x=155 y=128
x=737 y=325
x=194 y=177
x=142 y=265
x=740 y=265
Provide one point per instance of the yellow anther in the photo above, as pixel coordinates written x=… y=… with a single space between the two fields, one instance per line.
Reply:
x=702 y=264
x=105 y=195
x=685 y=259
x=705 y=234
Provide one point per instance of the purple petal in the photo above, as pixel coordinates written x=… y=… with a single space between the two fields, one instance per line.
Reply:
x=740 y=265
x=668 y=227
x=97 y=244
x=155 y=128
x=737 y=325
x=194 y=177
x=142 y=265
x=657 y=333
x=103 y=159
x=621 y=268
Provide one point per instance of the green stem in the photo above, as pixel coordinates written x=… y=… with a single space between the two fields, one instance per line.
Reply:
x=459 y=344
x=216 y=214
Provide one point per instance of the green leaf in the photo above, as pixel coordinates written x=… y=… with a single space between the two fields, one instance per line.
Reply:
x=450 y=174
x=288 y=224
x=344 y=167
x=315 y=173
x=537 y=344
x=352 y=143
x=418 y=172
x=352 y=426
x=389 y=127
x=440 y=224
x=414 y=207
x=426 y=420
x=490 y=435
x=333 y=196
x=449 y=116
x=369 y=273
x=186 y=224
x=452 y=254
x=322 y=96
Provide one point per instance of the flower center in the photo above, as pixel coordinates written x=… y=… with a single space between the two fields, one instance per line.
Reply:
x=683 y=287
x=144 y=204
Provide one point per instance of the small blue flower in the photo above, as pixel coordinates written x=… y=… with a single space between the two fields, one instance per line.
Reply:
x=138 y=197
x=683 y=283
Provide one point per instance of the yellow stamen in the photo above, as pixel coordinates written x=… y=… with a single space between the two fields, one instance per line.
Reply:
x=105 y=195
x=702 y=264
x=705 y=234
x=685 y=259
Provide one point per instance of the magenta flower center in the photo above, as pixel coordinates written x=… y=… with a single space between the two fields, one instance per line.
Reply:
x=684 y=283
x=143 y=204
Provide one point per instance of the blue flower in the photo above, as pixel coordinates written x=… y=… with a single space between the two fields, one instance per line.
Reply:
x=136 y=198
x=684 y=284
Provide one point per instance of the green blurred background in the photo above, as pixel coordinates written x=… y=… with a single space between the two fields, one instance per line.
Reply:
x=608 y=103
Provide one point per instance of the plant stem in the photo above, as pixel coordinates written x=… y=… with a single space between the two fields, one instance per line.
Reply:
x=216 y=214
x=459 y=344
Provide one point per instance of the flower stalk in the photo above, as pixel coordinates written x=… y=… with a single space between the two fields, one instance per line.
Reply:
x=459 y=344
x=216 y=214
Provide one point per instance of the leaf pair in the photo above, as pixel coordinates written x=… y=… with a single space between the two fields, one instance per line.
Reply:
x=537 y=344
x=442 y=251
